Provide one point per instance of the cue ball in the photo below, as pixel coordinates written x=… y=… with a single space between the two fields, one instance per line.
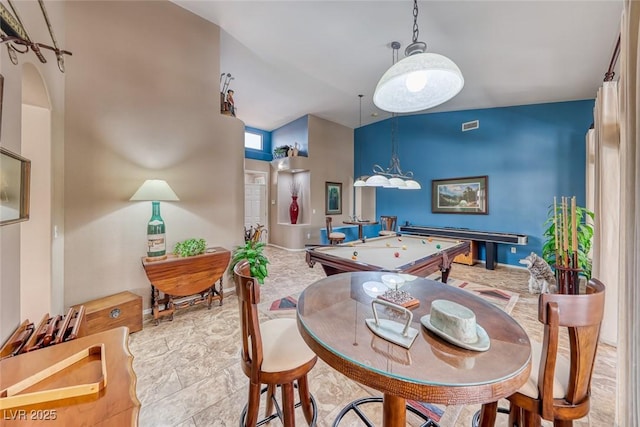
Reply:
x=404 y=247
x=399 y=239
x=396 y=254
x=437 y=246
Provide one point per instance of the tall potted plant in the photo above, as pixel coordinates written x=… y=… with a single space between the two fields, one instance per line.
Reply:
x=253 y=252
x=583 y=235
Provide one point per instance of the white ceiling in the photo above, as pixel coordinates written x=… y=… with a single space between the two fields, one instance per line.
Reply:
x=292 y=58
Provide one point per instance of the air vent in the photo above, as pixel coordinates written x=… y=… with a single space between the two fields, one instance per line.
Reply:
x=470 y=125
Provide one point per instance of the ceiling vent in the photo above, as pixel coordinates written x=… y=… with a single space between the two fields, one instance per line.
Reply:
x=470 y=125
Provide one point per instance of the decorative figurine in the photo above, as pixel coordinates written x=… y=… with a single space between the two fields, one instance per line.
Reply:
x=230 y=104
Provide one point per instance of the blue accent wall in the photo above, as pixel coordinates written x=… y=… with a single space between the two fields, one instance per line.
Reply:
x=529 y=153
x=293 y=132
x=265 y=153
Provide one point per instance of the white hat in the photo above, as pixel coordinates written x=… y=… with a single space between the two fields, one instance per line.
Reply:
x=456 y=324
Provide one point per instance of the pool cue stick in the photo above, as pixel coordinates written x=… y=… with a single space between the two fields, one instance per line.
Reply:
x=565 y=230
x=555 y=228
x=574 y=226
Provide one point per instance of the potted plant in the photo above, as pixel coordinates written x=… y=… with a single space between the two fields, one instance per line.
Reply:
x=584 y=235
x=280 y=151
x=253 y=252
x=190 y=247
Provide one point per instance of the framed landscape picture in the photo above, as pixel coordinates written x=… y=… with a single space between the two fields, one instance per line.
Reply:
x=333 y=198
x=460 y=195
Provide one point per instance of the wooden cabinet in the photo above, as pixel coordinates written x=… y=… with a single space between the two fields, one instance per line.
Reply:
x=469 y=258
x=122 y=309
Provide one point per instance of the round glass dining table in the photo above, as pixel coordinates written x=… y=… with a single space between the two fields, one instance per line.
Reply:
x=331 y=316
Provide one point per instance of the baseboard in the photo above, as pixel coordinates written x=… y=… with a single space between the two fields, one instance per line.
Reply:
x=286 y=249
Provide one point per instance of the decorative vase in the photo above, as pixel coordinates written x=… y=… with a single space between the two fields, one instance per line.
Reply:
x=294 y=210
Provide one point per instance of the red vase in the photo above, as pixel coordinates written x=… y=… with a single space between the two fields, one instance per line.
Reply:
x=293 y=210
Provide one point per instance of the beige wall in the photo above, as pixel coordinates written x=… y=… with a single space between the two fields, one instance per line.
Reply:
x=35 y=245
x=54 y=80
x=330 y=159
x=142 y=103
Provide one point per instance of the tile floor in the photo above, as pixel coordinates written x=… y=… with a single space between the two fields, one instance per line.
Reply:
x=189 y=374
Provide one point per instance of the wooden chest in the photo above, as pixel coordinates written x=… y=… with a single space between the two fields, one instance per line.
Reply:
x=122 y=309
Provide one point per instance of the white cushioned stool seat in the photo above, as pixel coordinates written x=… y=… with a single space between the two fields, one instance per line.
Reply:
x=337 y=235
x=282 y=346
x=387 y=233
x=560 y=380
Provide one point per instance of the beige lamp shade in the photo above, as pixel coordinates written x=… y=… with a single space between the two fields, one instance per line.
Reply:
x=155 y=190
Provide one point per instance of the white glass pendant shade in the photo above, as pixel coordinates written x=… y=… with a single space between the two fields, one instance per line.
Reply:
x=418 y=82
x=360 y=182
x=377 y=181
x=397 y=182
x=410 y=184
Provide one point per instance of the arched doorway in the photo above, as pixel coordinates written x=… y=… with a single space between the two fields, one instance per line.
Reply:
x=36 y=234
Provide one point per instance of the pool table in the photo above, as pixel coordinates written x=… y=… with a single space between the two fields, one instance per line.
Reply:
x=415 y=255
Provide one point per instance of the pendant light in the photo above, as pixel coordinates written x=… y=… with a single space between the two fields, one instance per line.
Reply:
x=360 y=181
x=419 y=81
x=393 y=176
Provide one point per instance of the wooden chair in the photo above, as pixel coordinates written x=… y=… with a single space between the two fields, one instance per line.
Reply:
x=274 y=354
x=334 y=237
x=388 y=225
x=558 y=389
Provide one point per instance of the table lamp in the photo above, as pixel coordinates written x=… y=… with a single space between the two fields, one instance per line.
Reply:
x=155 y=190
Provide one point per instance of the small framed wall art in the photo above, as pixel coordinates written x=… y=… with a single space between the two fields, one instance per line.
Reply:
x=333 y=198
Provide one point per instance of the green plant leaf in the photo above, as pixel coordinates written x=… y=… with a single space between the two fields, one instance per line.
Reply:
x=190 y=247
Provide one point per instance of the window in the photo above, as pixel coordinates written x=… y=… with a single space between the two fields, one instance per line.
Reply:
x=253 y=140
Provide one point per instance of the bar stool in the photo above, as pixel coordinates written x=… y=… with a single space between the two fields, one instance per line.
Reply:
x=274 y=354
x=388 y=225
x=558 y=389
x=334 y=237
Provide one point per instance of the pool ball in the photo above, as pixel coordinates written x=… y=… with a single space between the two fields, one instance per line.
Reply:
x=388 y=244
x=351 y=244
x=399 y=239
x=396 y=254
x=355 y=253
x=423 y=242
x=430 y=239
x=404 y=247
x=438 y=246
x=354 y=257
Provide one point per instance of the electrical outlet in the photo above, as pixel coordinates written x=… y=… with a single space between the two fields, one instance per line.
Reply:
x=513 y=249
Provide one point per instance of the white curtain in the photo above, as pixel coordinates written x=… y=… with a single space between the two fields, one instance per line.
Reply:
x=605 y=196
x=628 y=413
